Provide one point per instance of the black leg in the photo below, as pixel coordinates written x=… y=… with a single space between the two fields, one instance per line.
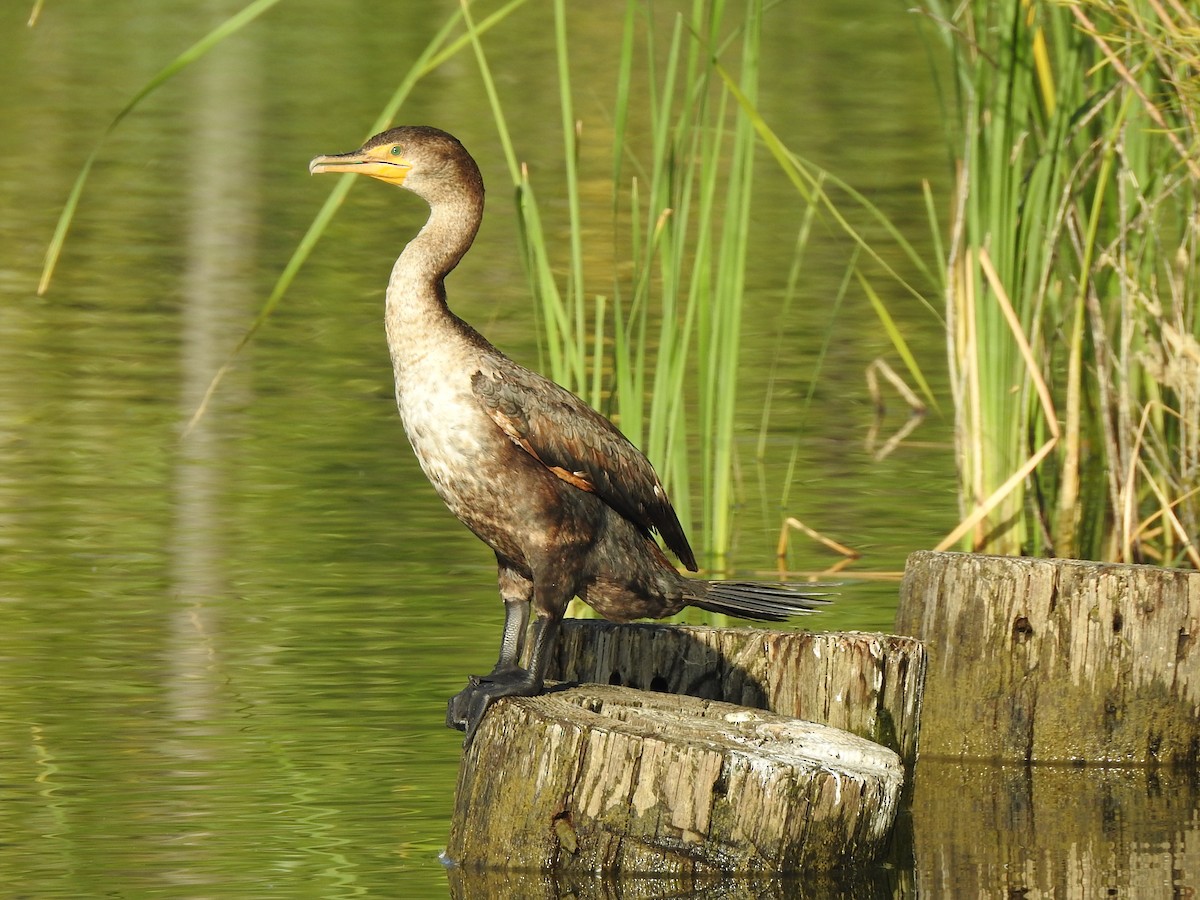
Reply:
x=516 y=621
x=549 y=596
x=545 y=636
x=516 y=591
x=474 y=700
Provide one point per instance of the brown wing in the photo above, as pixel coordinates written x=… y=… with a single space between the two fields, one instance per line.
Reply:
x=582 y=448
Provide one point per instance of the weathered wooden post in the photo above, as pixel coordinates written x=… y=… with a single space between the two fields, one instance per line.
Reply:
x=1055 y=660
x=867 y=684
x=603 y=777
x=599 y=778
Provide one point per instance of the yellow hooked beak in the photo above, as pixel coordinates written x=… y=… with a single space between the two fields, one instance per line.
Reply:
x=385 y=162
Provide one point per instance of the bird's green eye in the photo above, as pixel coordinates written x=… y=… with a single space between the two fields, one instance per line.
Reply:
x=395 y=150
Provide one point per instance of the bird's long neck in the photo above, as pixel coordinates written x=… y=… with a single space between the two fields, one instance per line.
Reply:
x=415 y=289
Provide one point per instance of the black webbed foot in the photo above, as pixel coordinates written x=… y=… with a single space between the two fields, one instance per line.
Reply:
x=459 y=705
x=466 y=708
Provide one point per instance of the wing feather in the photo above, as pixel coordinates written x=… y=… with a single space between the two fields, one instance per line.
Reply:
x=581 y=447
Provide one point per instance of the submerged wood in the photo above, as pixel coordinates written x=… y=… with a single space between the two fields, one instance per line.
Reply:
x=1055 y=660
x=599 y=778
x=867 y=684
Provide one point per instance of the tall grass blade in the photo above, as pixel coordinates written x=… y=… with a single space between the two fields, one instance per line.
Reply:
x=433 y=56
x=805 y=176
x=1071 y=278
x=897 y=338
x=230 y=26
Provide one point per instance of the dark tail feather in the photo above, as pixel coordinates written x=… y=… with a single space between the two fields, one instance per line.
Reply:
x=765 y=602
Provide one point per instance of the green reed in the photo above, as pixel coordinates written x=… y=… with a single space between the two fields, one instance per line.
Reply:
x=225 y=29
x=1071 y=278
x=657 y=345
x=443 y=46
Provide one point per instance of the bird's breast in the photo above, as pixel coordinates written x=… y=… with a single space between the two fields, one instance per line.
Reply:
x=447 y=429
x=460 y=449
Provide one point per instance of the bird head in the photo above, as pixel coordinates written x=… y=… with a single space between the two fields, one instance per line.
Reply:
x=419 y=158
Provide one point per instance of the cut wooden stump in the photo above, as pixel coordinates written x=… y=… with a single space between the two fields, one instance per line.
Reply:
x=1055 y=660
x=867 y=684
x=599 y=778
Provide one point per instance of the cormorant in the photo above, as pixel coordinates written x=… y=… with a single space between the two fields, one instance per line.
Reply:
x=567 y=503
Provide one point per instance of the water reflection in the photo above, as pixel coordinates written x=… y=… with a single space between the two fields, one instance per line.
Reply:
x=879 y=885
x=1054 y=831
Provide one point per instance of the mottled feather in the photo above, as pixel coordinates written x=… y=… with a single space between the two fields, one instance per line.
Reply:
x=581 y=447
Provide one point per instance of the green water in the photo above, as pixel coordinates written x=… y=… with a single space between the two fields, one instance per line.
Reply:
x=224 y=659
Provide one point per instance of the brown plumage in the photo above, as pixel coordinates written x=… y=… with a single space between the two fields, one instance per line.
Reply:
x=569 y=506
